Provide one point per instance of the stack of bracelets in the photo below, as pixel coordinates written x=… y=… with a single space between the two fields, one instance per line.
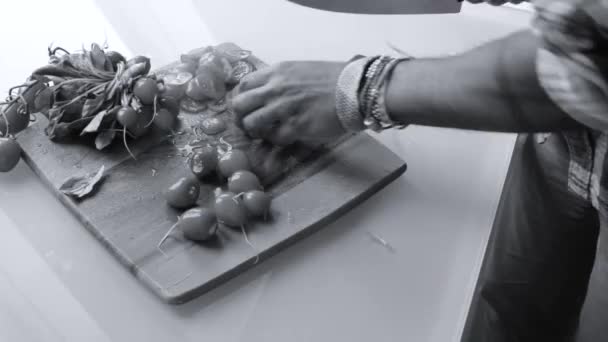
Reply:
x=360 y=94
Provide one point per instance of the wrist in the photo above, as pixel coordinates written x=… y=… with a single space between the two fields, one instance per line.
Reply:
x=360 y=94
x=347 y=95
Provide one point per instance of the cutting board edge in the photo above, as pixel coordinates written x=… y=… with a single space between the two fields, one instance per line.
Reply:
x=71 y=206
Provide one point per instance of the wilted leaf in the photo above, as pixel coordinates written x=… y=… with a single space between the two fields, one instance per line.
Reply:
x=79 y=187
x=43 y=100
x=104 y=139
x=55 y=114
x=93 y=126
x=91 y=106
x=98 y=57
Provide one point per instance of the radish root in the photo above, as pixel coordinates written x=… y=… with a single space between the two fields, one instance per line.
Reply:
x=155 y=113
x=166 y=236
x=124 y=139
x=257 y=256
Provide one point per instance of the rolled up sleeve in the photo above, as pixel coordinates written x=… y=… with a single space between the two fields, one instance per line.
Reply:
x=572 y=62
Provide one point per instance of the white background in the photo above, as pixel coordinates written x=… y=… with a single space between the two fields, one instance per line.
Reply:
x=58 y=284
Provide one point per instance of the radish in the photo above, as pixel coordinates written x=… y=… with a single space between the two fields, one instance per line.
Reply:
x=184 y=193
x=230 y=210
x=127 y=117
x=243 y=181
x=146 y=90
x=233 y=161
x=204 y=162
x=10 y=154
x=257 y=203
x=165 y=120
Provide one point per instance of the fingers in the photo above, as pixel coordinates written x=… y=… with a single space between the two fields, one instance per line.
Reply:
x=263 y=120
x=253 y=80
x=283 y=135
x=249 y=101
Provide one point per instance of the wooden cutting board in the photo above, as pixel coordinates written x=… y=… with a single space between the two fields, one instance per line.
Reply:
x=129 y=216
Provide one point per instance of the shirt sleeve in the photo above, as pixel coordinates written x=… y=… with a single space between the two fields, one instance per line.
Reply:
x=572 y=63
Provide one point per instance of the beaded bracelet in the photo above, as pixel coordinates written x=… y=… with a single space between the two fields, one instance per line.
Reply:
x=360 y=93
x=372 y=96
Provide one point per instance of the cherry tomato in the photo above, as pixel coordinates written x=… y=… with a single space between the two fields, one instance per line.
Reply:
x=243 y=181
x=218 y=106
x=198 y=224
x=207 y=85
x=211 y=60
x=145 y=89
x=257 y=202
x=164 y=119
x=232 y=52
x=175 y=84
x=127 y=117
x=213 y=126
x=233 y=161
x=196 y=54
x=184 y=193
x=192 y=106
x=196 y=90
x=230 y=210
x=10 y=154
x=187 y=67
x=204 y=162
x=240 y=69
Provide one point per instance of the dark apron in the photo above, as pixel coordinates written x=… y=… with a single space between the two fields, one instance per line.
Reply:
x=537 y=271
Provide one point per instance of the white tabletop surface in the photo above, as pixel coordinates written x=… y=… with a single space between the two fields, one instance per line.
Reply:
x=57 y=283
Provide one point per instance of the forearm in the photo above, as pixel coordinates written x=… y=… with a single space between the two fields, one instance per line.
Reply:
x=493 y=88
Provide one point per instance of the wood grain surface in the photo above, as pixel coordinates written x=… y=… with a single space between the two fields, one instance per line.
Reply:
x=128 y=213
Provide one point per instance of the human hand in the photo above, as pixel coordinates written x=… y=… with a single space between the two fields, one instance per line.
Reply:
x=289 y=102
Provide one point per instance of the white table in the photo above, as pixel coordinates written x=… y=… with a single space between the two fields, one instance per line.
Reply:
x=57 y=283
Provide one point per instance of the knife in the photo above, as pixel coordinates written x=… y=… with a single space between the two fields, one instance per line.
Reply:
x=384 y=6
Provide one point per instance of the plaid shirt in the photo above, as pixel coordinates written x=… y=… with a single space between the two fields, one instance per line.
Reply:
x=572 y=67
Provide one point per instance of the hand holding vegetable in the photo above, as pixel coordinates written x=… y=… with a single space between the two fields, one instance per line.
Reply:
x=290 y=101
